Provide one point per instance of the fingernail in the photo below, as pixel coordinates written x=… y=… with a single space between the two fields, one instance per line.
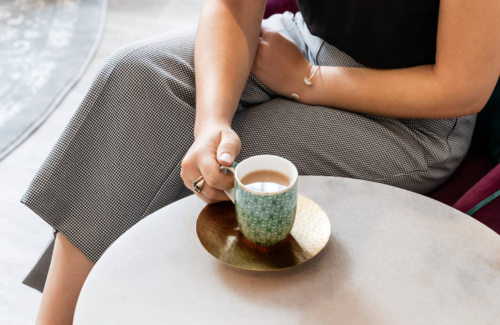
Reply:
x=226 y=157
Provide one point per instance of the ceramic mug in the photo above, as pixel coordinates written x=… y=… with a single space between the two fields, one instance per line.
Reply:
x=265 y=219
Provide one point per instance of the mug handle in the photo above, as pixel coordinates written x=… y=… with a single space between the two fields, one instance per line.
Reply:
x=230 y=194
x=226 y=170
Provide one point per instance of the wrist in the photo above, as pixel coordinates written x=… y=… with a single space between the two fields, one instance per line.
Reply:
x=202 y=124
x=309 y=90
x=304 y=90
x=312 y=69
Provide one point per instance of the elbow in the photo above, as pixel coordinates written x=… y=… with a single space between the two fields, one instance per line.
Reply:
x=473 y=105
x=476 y=102
x=477 y=107
x=465 y=96
x=458 y=103
x=461 y=94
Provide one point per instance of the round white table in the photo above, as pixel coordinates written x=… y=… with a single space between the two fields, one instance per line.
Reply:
x=394 y=257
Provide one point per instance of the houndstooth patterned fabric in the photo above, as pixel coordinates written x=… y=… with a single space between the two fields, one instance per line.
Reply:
x=119 y=159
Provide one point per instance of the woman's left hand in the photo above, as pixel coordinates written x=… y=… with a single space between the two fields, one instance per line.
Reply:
x=279 y=64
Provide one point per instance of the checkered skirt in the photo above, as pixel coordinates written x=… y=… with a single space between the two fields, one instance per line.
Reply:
x=119 y=158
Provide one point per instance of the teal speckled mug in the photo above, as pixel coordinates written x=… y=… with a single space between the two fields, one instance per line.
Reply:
x=264 y=219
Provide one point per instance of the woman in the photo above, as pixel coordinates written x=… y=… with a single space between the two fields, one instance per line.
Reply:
x=147 y=130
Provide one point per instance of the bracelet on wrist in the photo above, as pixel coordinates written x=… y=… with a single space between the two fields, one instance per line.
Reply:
x=307 y=81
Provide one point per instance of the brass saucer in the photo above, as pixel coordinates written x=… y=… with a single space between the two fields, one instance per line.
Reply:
x=218 y=232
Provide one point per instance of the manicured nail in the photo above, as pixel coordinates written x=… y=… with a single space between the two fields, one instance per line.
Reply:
x=226 y=157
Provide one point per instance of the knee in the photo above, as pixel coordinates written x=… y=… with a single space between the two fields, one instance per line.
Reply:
x=127 y=64
x=166 y=64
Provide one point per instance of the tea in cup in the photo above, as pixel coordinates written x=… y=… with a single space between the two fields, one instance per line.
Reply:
x=265 y=196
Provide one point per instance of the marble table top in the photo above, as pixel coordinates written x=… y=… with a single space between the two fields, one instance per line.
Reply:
x=394 y=257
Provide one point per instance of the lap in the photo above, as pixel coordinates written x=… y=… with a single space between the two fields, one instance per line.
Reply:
x=334 y=142
x=158 y=74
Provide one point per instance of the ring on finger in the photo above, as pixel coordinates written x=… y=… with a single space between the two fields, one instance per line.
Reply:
x=198 y=184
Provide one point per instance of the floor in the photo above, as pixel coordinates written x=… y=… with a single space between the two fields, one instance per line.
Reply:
x=23 y=235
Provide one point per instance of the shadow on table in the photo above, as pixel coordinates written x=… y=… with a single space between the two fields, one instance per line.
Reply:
x=318 y=291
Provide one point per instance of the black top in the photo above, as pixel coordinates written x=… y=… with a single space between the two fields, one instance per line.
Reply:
x=384 y=34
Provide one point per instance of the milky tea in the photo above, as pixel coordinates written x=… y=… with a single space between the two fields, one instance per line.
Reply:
x=266 y=181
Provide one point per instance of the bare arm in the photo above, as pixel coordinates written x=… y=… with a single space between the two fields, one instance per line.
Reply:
x=226 y=43
x=459 y=83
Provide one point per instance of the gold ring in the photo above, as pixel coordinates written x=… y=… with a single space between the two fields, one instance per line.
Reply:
x=198 y=184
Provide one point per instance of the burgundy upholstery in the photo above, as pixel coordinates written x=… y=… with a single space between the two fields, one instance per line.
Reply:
x=474 y=167
x=280 y=6
x=490 y=213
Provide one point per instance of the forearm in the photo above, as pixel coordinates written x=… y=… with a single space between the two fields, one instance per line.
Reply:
x=416 y=92
x=460 y=83
x=226 y=42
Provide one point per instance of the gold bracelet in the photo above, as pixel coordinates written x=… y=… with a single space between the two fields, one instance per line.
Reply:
x=308 y=81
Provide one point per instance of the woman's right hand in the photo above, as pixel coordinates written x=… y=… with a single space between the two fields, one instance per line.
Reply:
x=215 y=144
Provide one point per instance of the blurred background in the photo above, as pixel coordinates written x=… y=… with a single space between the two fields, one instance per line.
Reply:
x=38 y=37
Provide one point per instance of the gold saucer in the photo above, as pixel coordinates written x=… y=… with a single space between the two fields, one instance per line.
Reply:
x=218 y=232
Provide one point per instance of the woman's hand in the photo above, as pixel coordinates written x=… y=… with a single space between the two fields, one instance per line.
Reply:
x=279 y=64
x=215 y=144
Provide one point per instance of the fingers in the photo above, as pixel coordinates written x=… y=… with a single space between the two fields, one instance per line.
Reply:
x=264 y=30
x=268 y=35
x=229 y=148
x=205 y=157
x=211 y=195
x=205 y=164
x=208 y=193
x=209 y=168
x=265 y=35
